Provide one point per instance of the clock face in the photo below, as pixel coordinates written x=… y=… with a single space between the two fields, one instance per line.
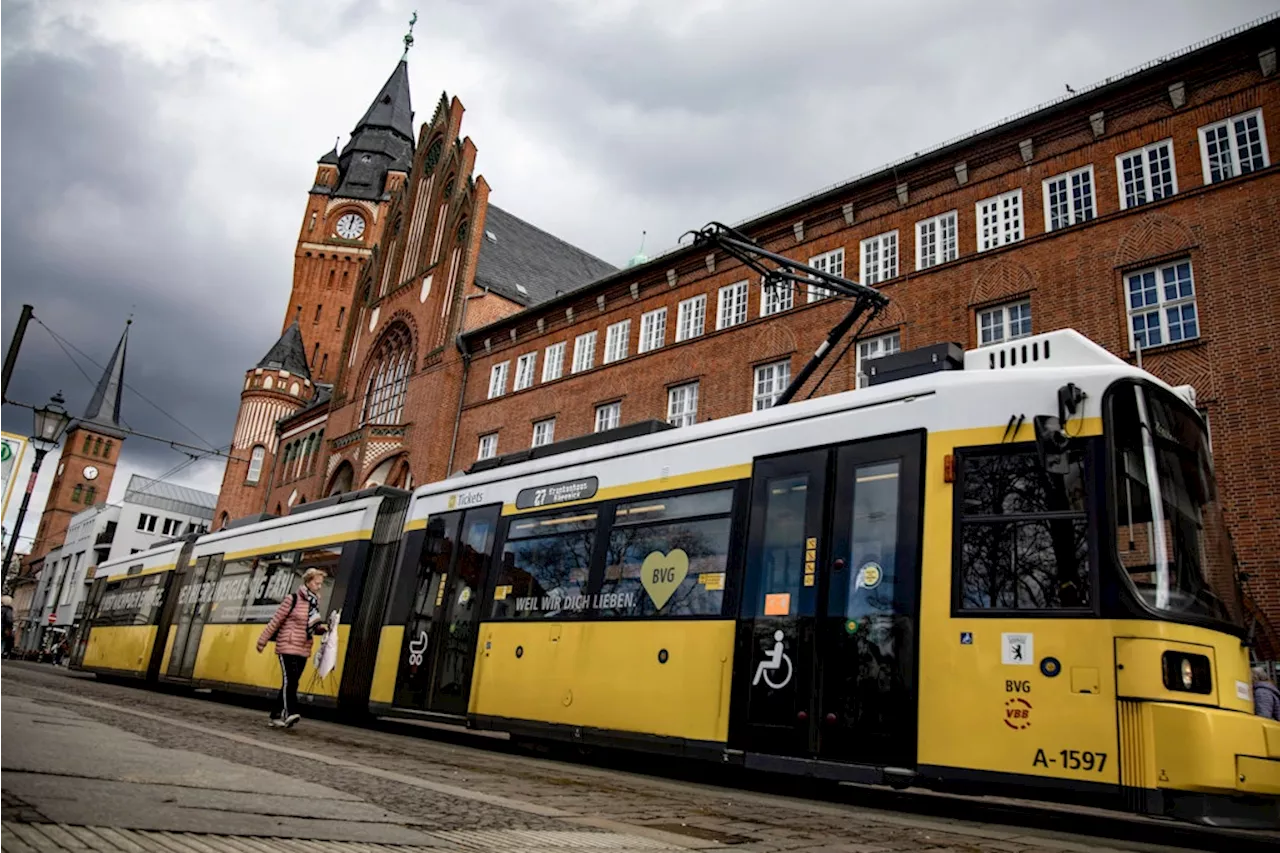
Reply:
x=351 y=226
x=90 y=472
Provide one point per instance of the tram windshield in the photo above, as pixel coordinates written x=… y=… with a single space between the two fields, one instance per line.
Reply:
x=1170 y=533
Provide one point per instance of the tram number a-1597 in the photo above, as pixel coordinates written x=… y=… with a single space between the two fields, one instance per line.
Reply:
x=1072 y=759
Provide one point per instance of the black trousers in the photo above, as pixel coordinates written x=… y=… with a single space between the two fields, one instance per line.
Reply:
x=291 y=667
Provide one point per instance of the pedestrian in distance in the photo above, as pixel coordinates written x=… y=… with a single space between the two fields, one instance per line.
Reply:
x=296 y=621
x=1266 y=698
x=7 y=603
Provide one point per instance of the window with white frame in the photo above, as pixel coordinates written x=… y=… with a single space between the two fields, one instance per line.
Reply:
x=553 y=364
x=936 y=240
x=999 y=220
x=608 y=416
x=880 y=258
x=616 y=340
x=171 y=527
x=1004 y=323
x=1162 y=305
x=691 y=317
x=873 y=348
x=1146 y=174
x=488 y=446
x=770 y=381
x=732 y=307
x=775 y=298
x=1233 y=147
x=544 y=432
x=147 y=522
x=255 y=464
x=498 y=379
x=831 y=263
x=525 y=368
x=653 y=329
x=682 y=405
x=1068 y=199
x=584 y=352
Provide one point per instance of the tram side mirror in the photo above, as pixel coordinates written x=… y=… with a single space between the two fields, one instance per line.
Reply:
x=1051 y=444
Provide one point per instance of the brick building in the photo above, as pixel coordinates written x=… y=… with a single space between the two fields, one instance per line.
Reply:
x=1143 y=212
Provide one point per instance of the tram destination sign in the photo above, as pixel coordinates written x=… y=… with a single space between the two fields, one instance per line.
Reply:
x=557 y=493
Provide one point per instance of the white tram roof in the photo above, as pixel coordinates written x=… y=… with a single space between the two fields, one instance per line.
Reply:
x=996 y=382
x=341 y=521
x=159 y=558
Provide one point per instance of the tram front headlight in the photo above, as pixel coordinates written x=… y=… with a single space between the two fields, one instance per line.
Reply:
x=1187 y=673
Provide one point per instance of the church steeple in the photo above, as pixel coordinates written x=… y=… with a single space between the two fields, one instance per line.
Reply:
x=381 y=142
x=104 y=406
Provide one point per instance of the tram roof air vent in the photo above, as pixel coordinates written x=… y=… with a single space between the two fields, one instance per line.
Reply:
x=1063 y=348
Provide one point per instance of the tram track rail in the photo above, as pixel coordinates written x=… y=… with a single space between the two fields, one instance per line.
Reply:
x=1067 y=821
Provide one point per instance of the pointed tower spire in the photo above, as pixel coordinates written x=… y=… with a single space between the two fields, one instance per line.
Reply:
x=289 y=353
x=104 y=406
x=391 y=109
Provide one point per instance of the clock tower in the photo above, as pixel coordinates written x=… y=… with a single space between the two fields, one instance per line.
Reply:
x=344 y=219
x=90 y=452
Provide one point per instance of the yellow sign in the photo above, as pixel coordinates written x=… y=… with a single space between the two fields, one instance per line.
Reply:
x=662 y=574
x=712 y=580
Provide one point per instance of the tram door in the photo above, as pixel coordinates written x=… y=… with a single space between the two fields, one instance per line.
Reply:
x=440 y=635
x=91 y=602
x=829 y=608
x=192 y=586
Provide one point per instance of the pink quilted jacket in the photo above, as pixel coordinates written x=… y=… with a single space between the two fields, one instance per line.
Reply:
x=292 y=639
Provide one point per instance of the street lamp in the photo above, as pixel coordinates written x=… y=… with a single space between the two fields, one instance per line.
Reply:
x=51 y=422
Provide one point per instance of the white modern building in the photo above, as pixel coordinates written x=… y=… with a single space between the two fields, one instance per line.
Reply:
x=152 y=511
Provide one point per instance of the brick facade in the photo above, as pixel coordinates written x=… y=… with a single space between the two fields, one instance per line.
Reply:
x=1075 y=275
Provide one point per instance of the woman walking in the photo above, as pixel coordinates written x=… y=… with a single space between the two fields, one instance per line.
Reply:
x=295 y=622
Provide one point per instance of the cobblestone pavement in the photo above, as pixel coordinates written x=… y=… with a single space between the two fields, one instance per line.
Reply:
x=454 y=794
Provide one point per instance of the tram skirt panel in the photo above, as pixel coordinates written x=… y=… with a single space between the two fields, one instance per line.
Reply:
x=120 y=649
x=229 y=658
x=662 y=678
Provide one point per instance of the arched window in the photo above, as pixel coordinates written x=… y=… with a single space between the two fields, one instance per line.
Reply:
x=223 y=519
x=88 y=440
x=106 y=450
x=388 y=377
x=433 y=154
x=343 y=479
x=76 y=492
x=255 y=463
x=91 y=496
x=97 y=447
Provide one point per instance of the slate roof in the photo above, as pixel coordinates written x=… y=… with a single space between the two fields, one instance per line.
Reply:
x=288 y=353
x=525 y=264
x=391 y=108
x=159 y=494
x=103 y=411
x=382 y=141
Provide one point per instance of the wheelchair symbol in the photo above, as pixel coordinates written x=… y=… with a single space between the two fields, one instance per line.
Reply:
x=417 y=648
x=776 y=658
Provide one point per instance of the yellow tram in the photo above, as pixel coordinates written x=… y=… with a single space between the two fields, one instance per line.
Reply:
x=1008 y=576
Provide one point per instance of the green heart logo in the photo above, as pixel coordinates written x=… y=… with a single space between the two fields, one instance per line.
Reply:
x=662 y=574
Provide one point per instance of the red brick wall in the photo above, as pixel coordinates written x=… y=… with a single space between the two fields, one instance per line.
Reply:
x=59 y=507
x=1074 y=277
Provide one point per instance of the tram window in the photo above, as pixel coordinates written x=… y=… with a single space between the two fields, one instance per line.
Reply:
x=782 y=552
x=546 y=562
x=682 y=545
x=1022 y=533
x=250 y=589
x=133 y=601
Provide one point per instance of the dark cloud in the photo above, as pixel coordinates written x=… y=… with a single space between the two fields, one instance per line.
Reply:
x=157 y=158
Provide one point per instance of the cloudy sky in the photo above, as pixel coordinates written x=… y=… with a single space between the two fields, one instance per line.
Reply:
x=157 y=154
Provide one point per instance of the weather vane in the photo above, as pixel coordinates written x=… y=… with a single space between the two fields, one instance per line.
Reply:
x=408 y=37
